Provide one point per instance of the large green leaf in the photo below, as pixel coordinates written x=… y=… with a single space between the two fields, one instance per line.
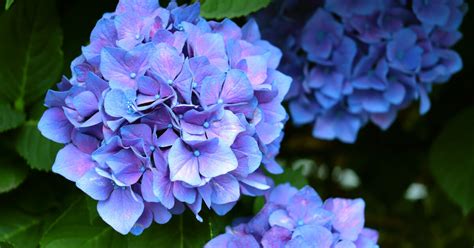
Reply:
x=19 y=229
x=30 y=48
x=12 y=174
x=230 y=8
x=452 y=159
x=38 y=151
x=9 y=118
x=72 y=229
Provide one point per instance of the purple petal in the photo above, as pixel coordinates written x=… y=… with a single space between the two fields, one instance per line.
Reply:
x=55 y=126
x=183 y=164
x=217 y=163
x=96 y=186
x=166 y=62
x=72 y=163
x=225 y=189
x=121 y=210
x=348 y=216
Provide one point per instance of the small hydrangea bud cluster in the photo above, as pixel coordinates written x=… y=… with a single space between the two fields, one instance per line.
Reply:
x=359 y=61
x=298 y=219
x=166 y=110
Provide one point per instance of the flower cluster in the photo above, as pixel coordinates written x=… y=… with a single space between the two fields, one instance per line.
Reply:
x=297 y=219
x=166 y=110
x=359 y=61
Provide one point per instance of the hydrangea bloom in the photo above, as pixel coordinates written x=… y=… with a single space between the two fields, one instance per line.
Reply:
x=358 y=61
x=166 y=110
x=299 y=219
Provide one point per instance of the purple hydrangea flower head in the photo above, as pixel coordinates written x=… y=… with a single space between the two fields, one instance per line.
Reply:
x=165 y=110
x=299 y=218
x=358 y=61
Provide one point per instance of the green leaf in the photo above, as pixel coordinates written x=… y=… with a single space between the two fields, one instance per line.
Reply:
x=12 y=174
x=452 y=159
x=8 y=3
x=9 y=118
x=19 y=229
x=230 y=8
x=32 y=59
x=72 y=229
x=38 y=151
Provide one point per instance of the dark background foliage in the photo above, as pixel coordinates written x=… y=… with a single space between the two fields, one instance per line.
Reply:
x=416 y=178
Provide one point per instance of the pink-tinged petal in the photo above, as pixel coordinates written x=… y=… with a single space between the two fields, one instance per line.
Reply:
x=276 y=237
x=248 y=155
x=55 y=126
x=225 y=189
x=237 y=88
x=72 y=163
x=280 y=218
x=95 y=185
x=166 y=62
x=130 y=30
x=211 y=46
x=218 y=163
x=348 y=216
x=255 y=68
x=183 y=164
x=121 y=210
x=226 y=129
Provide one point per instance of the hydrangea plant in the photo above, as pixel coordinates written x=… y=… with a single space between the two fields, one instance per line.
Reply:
x=166 y=110
x=360 y=61
x=299 y=218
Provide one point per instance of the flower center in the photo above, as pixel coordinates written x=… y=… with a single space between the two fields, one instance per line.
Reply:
x=197 y=153
x=194 y=85
x=220 y=101
x=152 y=148
x=170 y=82
x=133 y=75
x=205 y=124
x=157 y=96
x=137 y=37
x=170 y=125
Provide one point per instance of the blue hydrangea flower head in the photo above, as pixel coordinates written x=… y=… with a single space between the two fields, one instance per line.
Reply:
x=300 y=219
x=165 y=110
x=358 y=61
